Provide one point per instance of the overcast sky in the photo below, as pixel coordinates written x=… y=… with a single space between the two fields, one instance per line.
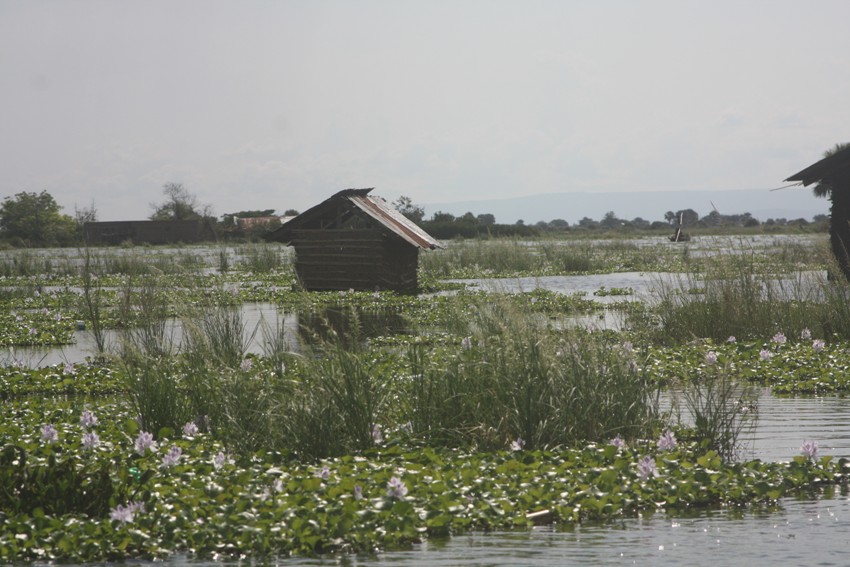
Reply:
x=279 y=104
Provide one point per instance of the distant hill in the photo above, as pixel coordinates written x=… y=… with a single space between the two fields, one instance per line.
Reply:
x=791 y=203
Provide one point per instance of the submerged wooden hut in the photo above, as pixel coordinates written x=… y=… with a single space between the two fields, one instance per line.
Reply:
x=355 y=241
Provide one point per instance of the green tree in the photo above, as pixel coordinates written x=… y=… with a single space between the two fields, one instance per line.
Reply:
x=82 y=216
x=34 y=219
x=440 y=216
x=610 y=221
x=179 y=204
x=405 y=206
x=486 y=219
x=253 y=214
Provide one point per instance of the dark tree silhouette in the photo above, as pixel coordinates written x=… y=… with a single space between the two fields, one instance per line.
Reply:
x=831 y=177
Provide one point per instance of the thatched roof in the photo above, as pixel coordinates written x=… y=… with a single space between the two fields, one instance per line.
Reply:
x=373 y=207
x=836 y=165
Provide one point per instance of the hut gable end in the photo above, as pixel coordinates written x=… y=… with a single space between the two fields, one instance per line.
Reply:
x=355 y=241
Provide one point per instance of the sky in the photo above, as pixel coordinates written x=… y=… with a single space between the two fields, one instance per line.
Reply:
x=256 y=104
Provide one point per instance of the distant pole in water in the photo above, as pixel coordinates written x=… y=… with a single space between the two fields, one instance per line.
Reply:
x=676 y=237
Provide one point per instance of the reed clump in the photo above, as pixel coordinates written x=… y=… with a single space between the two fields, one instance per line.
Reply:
x=512 y=378
x=747 y=296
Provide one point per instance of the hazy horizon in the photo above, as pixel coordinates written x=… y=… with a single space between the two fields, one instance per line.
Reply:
x=257 y=105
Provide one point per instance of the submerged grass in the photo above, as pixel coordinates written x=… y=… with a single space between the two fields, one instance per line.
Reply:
x=741 y=295
x=484 y=411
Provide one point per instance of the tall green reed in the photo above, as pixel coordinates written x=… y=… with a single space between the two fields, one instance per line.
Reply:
x=156 y=394
x=514 y=377
x=263 y=258
x=720 y=409
x=215 y=334
x=93 y=299
x=742 y=294
x=144 y=310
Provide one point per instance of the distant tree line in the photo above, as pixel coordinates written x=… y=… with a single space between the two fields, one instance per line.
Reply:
x=445 y=225
x=35 y=220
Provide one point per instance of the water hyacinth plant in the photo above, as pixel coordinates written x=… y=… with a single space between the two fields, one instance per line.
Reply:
x=475 y=411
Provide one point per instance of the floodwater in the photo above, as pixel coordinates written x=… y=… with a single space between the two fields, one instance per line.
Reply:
x=810 y=530
x=802 y=532
x=257 y=319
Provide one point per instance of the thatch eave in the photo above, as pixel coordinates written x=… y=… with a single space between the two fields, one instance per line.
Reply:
x=831 y=167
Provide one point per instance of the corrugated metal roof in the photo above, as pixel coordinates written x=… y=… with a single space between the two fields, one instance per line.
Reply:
x=381 y=211
x=837 y=163
x=377 y=208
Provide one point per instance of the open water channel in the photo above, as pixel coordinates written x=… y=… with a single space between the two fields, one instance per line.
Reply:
x=810 y=530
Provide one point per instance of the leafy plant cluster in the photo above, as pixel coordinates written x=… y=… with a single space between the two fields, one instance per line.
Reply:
x=83 y=482
x=397 y=418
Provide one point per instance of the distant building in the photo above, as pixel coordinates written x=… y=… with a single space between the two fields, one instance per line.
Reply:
x=355 y=241
x=149 y=232
x=248 y=223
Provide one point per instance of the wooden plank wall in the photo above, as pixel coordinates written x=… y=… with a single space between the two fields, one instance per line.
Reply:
x=354 y=259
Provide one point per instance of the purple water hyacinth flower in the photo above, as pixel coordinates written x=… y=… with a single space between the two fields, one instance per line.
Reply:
x=396 y=488
x=144 y=442
x=324 y=473
x=818 y=345
x=358 y=492
x=731 y=339
x=126 y=514
x=49 y=434
x=90 y=440
x=172 y=457
x=190 y=430
x=377 y=436
x=88 y=419
x=618 y=442
x=711 y=357
x=221 y=459
x=69 y=369
x=765 y=354
x=647 y=468
x=466 y=343
x=805 y=334
x=247 y=364
x=809 y=449
x=667 y=441
x=779 y=338
x=518 y=444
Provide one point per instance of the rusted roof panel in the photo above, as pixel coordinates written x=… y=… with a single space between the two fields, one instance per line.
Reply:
x=378 y=209
x=374 y=207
